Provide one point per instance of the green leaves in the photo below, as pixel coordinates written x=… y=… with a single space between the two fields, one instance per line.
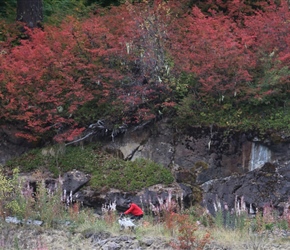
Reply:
x=130 y=176
x=55 y=11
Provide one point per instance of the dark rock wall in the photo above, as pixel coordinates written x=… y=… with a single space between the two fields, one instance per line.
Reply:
x=206 y=155
x=217 y=160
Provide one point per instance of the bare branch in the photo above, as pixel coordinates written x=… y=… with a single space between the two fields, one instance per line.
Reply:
x=80 y=139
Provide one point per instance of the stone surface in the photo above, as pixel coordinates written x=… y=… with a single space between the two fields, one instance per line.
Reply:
x=208 y=154
x=219 y=161
x=74 y=180
x=11 y=145
x=151 y=195
x=267 y=186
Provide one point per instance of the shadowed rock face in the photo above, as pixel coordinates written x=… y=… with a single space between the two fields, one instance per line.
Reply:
x=258 y=188
x=208 y=164
x=206 y=156
x=154 y=196
x=74 y=180
x=218 y=161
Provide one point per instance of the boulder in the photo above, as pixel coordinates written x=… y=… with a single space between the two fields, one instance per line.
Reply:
x=74 y=180
x=267 y=186
x=146 y=198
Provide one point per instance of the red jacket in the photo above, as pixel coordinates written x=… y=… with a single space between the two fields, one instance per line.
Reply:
x=134 y=209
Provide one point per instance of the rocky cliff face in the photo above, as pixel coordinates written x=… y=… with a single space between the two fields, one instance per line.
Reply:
x=209 y=164
x=227 y=166
x=205 y=154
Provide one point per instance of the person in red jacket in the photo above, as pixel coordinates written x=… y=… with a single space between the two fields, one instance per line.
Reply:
x=135 y=210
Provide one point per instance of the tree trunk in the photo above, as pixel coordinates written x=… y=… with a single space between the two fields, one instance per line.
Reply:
x=30 y=12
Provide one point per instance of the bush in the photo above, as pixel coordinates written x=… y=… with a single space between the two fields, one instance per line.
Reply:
x=187 y=238
x=106 y=171
x=130 y=176
x=7 y=192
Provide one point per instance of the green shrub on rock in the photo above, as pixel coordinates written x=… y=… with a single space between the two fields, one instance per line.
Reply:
x=130 y=175
x=106 y=171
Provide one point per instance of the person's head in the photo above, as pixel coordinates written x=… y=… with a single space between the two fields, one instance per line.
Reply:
x=128 y=202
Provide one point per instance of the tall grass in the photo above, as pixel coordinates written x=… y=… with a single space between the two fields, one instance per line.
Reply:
x=241 y=230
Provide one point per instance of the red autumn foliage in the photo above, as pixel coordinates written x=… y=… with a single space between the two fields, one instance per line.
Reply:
x=54 y=72
x=140 y=32
x=44 y=79
x=229 y=54
x=187 y=234
x=212 y=49
x=270 y=42
x=131 y=56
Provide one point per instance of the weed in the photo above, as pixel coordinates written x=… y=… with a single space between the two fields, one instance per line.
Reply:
x=74 y=210
x=165 y=208
x=12 y=197
x=41 y=245
x=187 y=238
x=201 y=215
x=109 y=214
x=219 y=218
x=257 y=242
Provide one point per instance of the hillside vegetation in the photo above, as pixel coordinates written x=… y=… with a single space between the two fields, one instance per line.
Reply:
x=215 y=63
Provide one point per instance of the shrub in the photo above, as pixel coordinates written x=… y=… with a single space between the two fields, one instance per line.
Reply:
x=18 y=199
x=6 y=193
x=187 y=238
x=106 y=171
x=130 y=175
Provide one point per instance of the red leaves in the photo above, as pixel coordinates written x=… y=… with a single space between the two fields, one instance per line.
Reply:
x=225 y=53
x=40 y=78
x=70 y=135
x=270 y=41
x=131 y=56
x=212 y=50
x=28 y=137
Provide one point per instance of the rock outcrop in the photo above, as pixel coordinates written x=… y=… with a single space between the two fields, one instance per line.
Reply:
x=11 y=145
x=267 y=186
x=207 y=163
x=225 y=164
